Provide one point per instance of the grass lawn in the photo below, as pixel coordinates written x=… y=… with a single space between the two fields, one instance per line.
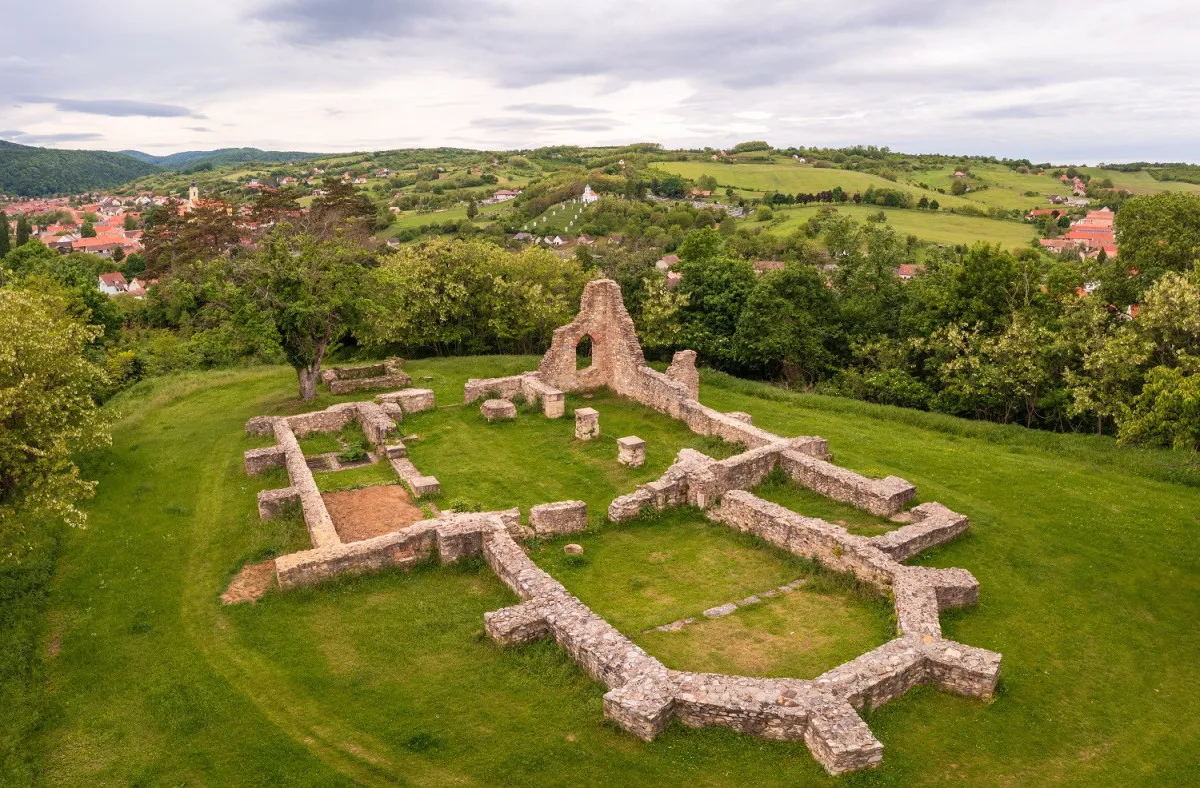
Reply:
x=933 y=226
x=1086 y=554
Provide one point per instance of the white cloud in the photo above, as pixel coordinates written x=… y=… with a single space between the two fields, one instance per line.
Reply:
x=987 y=77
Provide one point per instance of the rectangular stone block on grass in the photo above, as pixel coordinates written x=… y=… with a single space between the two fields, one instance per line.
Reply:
x=587 y=423
x=563 y=517
x=498 y=410
x=631 y=451
x=423 y=485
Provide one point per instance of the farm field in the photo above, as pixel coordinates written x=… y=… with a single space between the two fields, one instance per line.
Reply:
x=1086 y=556
x=1141 y=182
x=792 y=178
x=933 y=226
x=1005 y=187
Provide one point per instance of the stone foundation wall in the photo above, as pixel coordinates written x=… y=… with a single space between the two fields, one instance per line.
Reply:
x=529 y=385
x=932 y=524
x=258 y=460
x=877 y=496
x=316 y=516
x=454 y=537
x=346 y=380
x=831 y=545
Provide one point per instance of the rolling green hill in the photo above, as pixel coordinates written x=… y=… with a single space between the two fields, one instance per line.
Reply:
x=38 y=172
x=221 y=156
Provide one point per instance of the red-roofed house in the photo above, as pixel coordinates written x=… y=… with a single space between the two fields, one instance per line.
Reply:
x=113 y=284
x=907 y=271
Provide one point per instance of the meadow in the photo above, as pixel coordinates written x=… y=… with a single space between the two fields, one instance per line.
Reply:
x=933 y=226
x=1086 y=555
x=791 y=177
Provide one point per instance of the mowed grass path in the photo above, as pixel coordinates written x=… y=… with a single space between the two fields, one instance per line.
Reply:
x=1087 y=559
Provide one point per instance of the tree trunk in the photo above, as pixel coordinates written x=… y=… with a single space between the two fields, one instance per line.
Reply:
x=308 y=383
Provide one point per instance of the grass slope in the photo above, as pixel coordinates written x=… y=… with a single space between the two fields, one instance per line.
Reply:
x=1086 y=554
x=791 y=178
x=934 y=226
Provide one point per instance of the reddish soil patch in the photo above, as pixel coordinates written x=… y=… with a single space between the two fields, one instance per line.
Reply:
x=371 y=511
x=250 y=584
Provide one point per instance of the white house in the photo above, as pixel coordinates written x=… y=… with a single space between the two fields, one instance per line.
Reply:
x=113 y=284
x=588 y=196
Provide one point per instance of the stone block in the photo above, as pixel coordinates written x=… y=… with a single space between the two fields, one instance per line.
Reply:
x=261 y=425
x=258 y=460
x=587 y=423
x=498 y=409
x=631 y=451
x=409 y=400
x=573 y=549
x=422 y=486
x=741 y=416
x=563 y=517
x=395 y=450
x=720 y=610
x=272 y=502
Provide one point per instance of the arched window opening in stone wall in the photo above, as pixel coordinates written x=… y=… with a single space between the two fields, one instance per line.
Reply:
x=583 y=352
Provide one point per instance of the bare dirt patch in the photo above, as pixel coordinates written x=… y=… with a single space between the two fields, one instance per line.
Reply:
x=250 y=584
x=371 y=511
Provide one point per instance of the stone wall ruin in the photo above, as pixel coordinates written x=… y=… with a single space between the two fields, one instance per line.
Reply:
x=642 y=694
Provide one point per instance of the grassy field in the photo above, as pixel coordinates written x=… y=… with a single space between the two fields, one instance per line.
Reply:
x=1005 y=187
x=791 y=178
x=1086 y=555
x=934 y=226
x=1140 y=182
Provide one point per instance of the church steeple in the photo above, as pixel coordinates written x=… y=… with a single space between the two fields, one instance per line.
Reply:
x=193 y=193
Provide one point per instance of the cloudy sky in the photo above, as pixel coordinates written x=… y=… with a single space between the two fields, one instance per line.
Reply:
x=1061 y=81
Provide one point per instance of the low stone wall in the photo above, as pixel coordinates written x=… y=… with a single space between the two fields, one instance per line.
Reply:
x=529 y=385
x=455 y=536
x=346 y=380
x=258 y=460
x=932 y=524
x=643 y=695
x=877 y=496
x=316 y=516
x=831 y=545
x=408 y=400
x=272 y=502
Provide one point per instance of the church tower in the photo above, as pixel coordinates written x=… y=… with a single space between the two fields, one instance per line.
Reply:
x=193 y=194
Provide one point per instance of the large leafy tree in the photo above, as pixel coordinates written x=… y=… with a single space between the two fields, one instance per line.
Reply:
x=5 y=235
x=175 y=239
x=47 y=410
x=306 y=291
x=716 y=287
x=788 y=324
x=1157 y=233
x=471 y=297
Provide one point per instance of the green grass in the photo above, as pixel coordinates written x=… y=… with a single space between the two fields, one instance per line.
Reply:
x=933 y=226
x=532 y=459
x=1086 y=555
x=791 y=178
x=366 y=476
x=1140 y=182
x=325 y=442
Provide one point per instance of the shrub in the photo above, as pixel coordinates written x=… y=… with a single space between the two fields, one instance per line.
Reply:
x=354 y=452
